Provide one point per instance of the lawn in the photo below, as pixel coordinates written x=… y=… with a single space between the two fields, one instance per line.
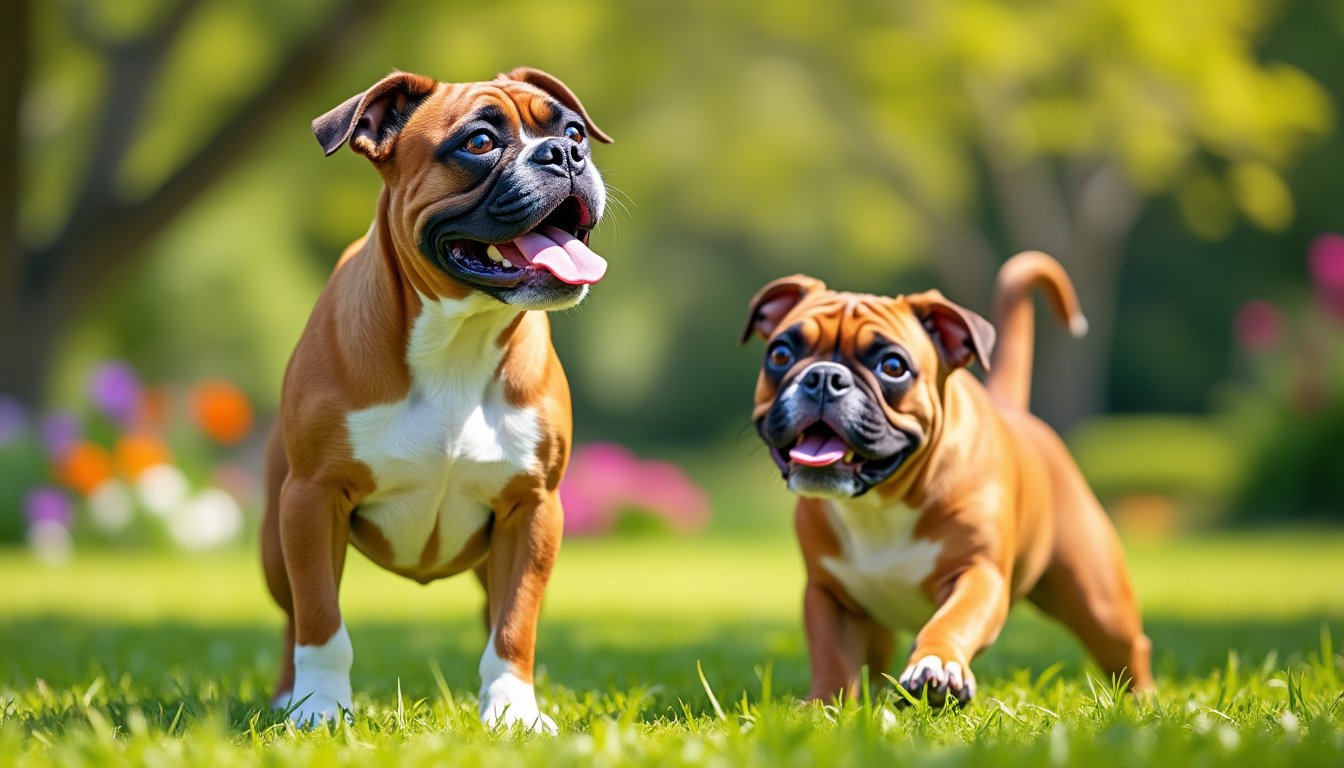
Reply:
x=162 y=659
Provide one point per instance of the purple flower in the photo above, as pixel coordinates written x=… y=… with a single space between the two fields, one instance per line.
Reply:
x=115 y=390
x=45 y=504
x=60 y=432
x=1258 y=325
x=13 y=420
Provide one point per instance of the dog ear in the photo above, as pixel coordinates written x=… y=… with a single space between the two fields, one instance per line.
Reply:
x=552 y=85
x=371 y=120
x=770 y=304
x=958 y=334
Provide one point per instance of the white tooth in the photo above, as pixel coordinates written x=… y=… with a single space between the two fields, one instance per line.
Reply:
x=507 y=263
x=494 y=254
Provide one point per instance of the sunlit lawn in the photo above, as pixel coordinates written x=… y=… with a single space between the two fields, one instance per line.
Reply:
x=133 y=658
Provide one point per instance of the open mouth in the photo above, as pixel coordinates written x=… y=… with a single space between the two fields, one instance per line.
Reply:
x=558 y=246
x=819 y=446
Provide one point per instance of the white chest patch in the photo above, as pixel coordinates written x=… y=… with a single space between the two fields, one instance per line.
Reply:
x=880 y=563
x=440 y=455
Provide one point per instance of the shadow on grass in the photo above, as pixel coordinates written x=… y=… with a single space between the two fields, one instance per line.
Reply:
x=166 y=664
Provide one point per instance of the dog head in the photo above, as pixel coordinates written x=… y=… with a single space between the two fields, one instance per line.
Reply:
x=851 y=387
x=488 y=186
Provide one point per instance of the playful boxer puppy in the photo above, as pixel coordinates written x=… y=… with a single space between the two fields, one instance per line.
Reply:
x=930 y=502
x=425 y=417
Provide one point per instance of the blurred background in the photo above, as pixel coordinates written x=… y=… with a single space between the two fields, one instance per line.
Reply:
x=167 y=220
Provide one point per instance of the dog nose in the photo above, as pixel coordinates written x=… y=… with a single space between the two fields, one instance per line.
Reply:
x=578 y=153
x=829 y=379
x=560 y=155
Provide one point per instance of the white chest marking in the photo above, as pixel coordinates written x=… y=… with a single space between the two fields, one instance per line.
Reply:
x=440 y=454
x=880 y=563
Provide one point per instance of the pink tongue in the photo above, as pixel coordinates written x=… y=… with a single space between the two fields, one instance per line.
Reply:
x=563 y=255
x=818 y=450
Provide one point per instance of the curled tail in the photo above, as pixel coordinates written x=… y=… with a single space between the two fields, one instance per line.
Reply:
x=1009 y=379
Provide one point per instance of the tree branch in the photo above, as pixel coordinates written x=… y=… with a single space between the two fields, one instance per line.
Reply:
x=93 y=248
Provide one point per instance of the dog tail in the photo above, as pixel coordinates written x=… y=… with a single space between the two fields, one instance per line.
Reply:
x=1009 y=379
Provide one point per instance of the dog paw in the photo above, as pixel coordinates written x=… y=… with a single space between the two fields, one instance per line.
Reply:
x=939 y=679
x=322 y=675
x=317 y=710
x=507 y=702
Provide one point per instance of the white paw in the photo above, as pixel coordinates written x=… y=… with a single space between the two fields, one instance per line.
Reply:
x=319 y=709
x=508 y=701
x=939 y=679
x=322 y=675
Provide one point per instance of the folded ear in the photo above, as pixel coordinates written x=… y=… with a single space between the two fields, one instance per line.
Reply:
x=552 y=85
x=371 y=120
x=770 y=304
x=958 y=334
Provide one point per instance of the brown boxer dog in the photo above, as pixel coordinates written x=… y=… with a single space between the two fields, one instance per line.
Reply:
x=930 y=502
x=425 y=417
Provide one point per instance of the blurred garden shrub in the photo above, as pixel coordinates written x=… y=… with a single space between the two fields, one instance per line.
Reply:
x=1182 y=456
x=1287 y=419
x=131 y=465
x=1274 y=451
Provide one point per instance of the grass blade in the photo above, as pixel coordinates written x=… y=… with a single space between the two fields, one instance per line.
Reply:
x=713 y=700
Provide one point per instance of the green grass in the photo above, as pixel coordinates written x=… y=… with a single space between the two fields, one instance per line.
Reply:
x=168 y=660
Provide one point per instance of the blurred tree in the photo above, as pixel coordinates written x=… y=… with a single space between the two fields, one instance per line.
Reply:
x=113 y=209
x=1046 y=124
x=881 y=146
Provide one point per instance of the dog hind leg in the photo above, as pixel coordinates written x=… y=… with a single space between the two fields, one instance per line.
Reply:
x=1087 y=588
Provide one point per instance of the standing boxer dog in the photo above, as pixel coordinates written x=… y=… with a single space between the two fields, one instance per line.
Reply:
x=929 y=500
x=425 y=417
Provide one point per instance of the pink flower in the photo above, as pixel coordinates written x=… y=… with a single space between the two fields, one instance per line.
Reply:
x=605 y=479
x=1258 y=326
x=1325 y=258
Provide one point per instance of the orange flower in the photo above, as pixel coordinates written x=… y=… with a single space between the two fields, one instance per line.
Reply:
x=85 y=467
x=138 y=452
x=154 y=408
x=221 y=411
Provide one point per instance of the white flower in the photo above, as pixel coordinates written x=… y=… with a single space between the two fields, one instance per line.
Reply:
x=162 y=489
x=212 y=517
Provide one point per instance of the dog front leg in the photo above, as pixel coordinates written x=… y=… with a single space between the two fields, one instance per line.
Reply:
x=838 y=643
x=967 y=620
x=314 y=531
x=523 y=545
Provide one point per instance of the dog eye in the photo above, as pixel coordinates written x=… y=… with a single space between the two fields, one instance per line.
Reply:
x=780 y=356
x=574 y=133
x=893 y=367
x=479 y=143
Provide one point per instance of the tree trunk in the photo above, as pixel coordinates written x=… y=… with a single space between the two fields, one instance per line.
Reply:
x=44 y=291
x=1073 y=374
x=14 y=37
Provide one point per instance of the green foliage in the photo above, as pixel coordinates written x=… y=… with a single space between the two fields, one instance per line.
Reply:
x=1287 y=417
x=1296 y=471
x=148 y=660
x=848 y=144
x=1181 y=456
